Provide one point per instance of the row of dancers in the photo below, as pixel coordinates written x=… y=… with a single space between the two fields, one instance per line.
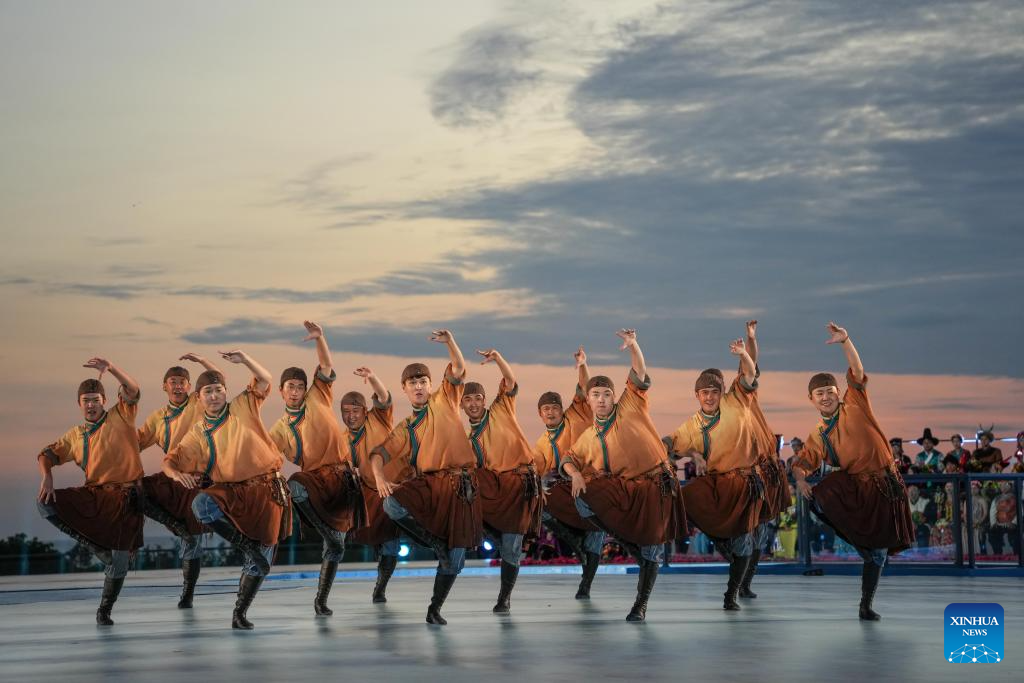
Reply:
x=599 y=468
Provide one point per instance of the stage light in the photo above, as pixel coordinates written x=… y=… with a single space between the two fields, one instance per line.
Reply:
x=403 y=550
x=488 y=546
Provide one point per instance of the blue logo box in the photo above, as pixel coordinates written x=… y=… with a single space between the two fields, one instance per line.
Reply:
x=973 y=633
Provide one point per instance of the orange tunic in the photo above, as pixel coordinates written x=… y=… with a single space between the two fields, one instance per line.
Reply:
x=498 y=441
x=233 y=447
x=553 y=444
x=627 y=445
x=858 y=445
x=167 y=426
x=432 y=439
x=379 y=422
x=729 y=440
x=106 y=450
x=311 y=437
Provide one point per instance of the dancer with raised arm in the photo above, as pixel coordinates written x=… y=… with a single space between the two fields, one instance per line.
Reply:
x=509 y=485
x=104 y=515
x=247 y=502
x=864 y=499
x=167 y=501
x=621 y=476
x=561 y=429
x=725 y=500
x=367 y=428
x=433 y=497
x=326 y=491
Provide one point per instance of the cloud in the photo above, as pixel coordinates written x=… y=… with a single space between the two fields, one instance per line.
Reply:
x=134 y=271
x=797 y=162
x=488 y=74
x=314 y=189
x=793 y=161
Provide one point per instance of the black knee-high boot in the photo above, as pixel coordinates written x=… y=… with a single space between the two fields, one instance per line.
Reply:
x=307 y=513
x=568 y=536
x=509 y=573
x=745 y=591
x=420 y=534
x=590 y=564
x=442 y=586
x=111 y=589
x=158 y=514
x=868 y=585
x=644 y=586
x=385 y=568
x=248 y=586
x=250 y=548
x=328 y=569
x=737 y=569
x=190 y=576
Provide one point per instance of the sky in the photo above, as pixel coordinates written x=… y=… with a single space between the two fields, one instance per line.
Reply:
x=533 y=175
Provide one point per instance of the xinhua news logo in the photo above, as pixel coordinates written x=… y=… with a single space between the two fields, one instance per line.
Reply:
x=973 y=633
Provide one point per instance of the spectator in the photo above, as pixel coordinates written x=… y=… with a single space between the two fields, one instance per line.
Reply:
x=985 y=456
x=1015 y=463
x=928 y=460
x=938 y=508
x=918 y=505
x=1003 y=519
x=898 y=456
x=979 y=517
x=939 y=515
x=959 y=452
x=950 y=465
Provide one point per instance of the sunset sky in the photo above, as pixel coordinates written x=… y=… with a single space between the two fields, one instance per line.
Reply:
x=533 y=175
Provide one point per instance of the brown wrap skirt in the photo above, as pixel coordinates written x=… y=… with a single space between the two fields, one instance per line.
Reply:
x=646 y=510
x=259 y=507
x=109 y=515
x=335 y=494
x=174 y=498
x=379 y=527
x=446 y=503
x=725 y=504
x=867 y=510
x=510 y=501
x=562 y=506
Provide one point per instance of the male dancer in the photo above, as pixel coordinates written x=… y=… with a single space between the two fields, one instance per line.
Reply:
x=864 y=499
x=621 y=476
x=365 y=429
x=777 y=495
x=509 y=485
x=104 y=515
x=326 y=491
x=725 y=500
x=247 y=504
x=434 y=496
x=560 y=516
x=167 y=501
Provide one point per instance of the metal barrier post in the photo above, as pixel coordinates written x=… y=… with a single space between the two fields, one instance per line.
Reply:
x=969 y=509
x=803 y=532
x=296 y=528
x=1017 y=487
x=958 y=528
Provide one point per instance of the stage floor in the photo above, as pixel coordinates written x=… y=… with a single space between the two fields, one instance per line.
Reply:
x=799 y=629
